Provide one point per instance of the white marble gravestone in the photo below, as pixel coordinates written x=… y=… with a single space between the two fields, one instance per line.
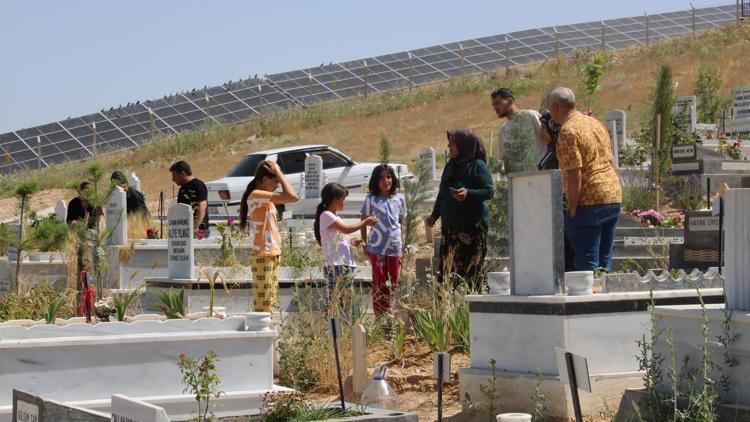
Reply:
x=685 y=112
x=614 y=139
x=427 y=155
x=180 y=255
x=535 y=220
x=620 y=118
x=117 y=217
x=61 y=211
x=314 y=177
x=740 y=121
x=125 y=408
x=737 y=248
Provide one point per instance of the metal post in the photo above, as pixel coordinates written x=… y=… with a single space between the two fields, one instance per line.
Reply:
x=161 y=215
x=737 y=11
x=461 y=47
x=38 y=154
x=208 y=109
x=411 y=71
x=557 y=42
x=440 y=388
x=573 y=386
x=309 y=86
x=507 y=54
x=604 y=44
x=721 y=235
x=152 y=125
x=260 y=97
x=708 y=192
x=364 y=63
x=334 y=335
x=692 y=14
x=93 y=139
x=656 y=161
x=648 y=29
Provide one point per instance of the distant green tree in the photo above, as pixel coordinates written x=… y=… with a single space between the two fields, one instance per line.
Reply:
x=707 y=90
x=593 y=73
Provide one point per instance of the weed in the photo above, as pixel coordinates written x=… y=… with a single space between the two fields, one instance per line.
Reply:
x=490 y=393
x=539 y=399
x=30 y=305
x=172 y=303
x=50 y=310
x=121 y=306
x=200 y=380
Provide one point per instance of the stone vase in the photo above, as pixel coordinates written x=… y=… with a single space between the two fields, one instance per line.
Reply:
x=579 y=283
x=499 y=283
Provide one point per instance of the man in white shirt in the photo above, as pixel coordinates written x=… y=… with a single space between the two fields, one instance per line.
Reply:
x=521 y=142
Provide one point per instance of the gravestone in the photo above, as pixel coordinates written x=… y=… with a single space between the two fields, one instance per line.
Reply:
x=741 y=105
x=116 y=217
x=535 y=221
x=620 y=119
x=135 y=182
x=33 y=408
x=180 y=256
x=614 y=139
x=685 y=112
x=314 y=176
x=701 y=244
x=126 y=409
x=737 y=248
x=427 y=156
x=61 y=211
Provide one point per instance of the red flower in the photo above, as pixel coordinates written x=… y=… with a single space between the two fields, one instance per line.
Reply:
x=182 y=356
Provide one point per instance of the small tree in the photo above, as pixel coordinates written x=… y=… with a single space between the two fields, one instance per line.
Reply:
x=23 y=192
x=662 y=101
x=593 y=72
x=385 y=150
x=707 y=90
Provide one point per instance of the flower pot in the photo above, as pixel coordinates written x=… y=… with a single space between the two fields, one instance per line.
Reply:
x=514 y=417
x=579 y=283
x=499 y=283
x=258 y=321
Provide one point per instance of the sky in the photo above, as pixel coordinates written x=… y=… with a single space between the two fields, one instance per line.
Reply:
x=74 y=57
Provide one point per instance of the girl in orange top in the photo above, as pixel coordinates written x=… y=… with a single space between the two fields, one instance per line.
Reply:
x=259 y=201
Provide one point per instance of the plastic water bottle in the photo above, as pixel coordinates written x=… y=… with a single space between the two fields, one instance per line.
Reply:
x=379 y=394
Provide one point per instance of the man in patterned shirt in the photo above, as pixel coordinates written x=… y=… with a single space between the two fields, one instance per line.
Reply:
x=591 y=184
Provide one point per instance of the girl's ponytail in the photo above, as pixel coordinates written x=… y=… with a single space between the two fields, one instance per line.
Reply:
x=243 y=202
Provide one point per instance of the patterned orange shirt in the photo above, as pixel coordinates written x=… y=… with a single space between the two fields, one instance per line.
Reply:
x=265 y=229
x=584 y=143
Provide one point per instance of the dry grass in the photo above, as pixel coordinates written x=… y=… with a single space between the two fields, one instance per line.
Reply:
x=418 y=119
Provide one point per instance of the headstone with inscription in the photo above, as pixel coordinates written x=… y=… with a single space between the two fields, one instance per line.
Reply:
x=684 y=111
x=741 y=106
x=701 y=245
x=180 y=256
x=116 y=217
x=126 y=409
x=314 y=176
x=427 y=156
x=61 y=211
x=620 y=120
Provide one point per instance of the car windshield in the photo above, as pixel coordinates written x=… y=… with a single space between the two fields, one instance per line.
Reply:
x=247 y=166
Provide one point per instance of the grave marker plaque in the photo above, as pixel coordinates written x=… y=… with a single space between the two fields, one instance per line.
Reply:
x=427 y=155
x=314 y=176
x=701 y=245
x=61 y=211
x=180 y=257
x=126 y=409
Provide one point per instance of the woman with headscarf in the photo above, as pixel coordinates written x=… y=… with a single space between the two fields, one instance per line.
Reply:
x=465 y=185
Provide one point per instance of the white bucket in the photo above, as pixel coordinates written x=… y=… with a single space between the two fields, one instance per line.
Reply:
x=499 y=283
x=514 y=417
x=579 y=283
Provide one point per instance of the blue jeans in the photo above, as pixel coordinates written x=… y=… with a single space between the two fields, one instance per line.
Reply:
x=592 y=234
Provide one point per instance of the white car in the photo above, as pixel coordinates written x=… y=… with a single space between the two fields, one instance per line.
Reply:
x=224 y=194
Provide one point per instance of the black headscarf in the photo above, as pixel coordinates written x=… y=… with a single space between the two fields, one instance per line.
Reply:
x=470 y=148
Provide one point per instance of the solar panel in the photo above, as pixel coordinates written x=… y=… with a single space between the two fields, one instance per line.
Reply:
x=133 y=124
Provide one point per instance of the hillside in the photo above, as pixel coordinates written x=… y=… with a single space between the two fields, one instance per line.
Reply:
x=411 y=120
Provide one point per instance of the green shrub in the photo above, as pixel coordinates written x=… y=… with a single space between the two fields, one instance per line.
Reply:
x=31 y=305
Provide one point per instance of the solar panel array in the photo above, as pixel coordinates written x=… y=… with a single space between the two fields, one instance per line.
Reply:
x=130 y=126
